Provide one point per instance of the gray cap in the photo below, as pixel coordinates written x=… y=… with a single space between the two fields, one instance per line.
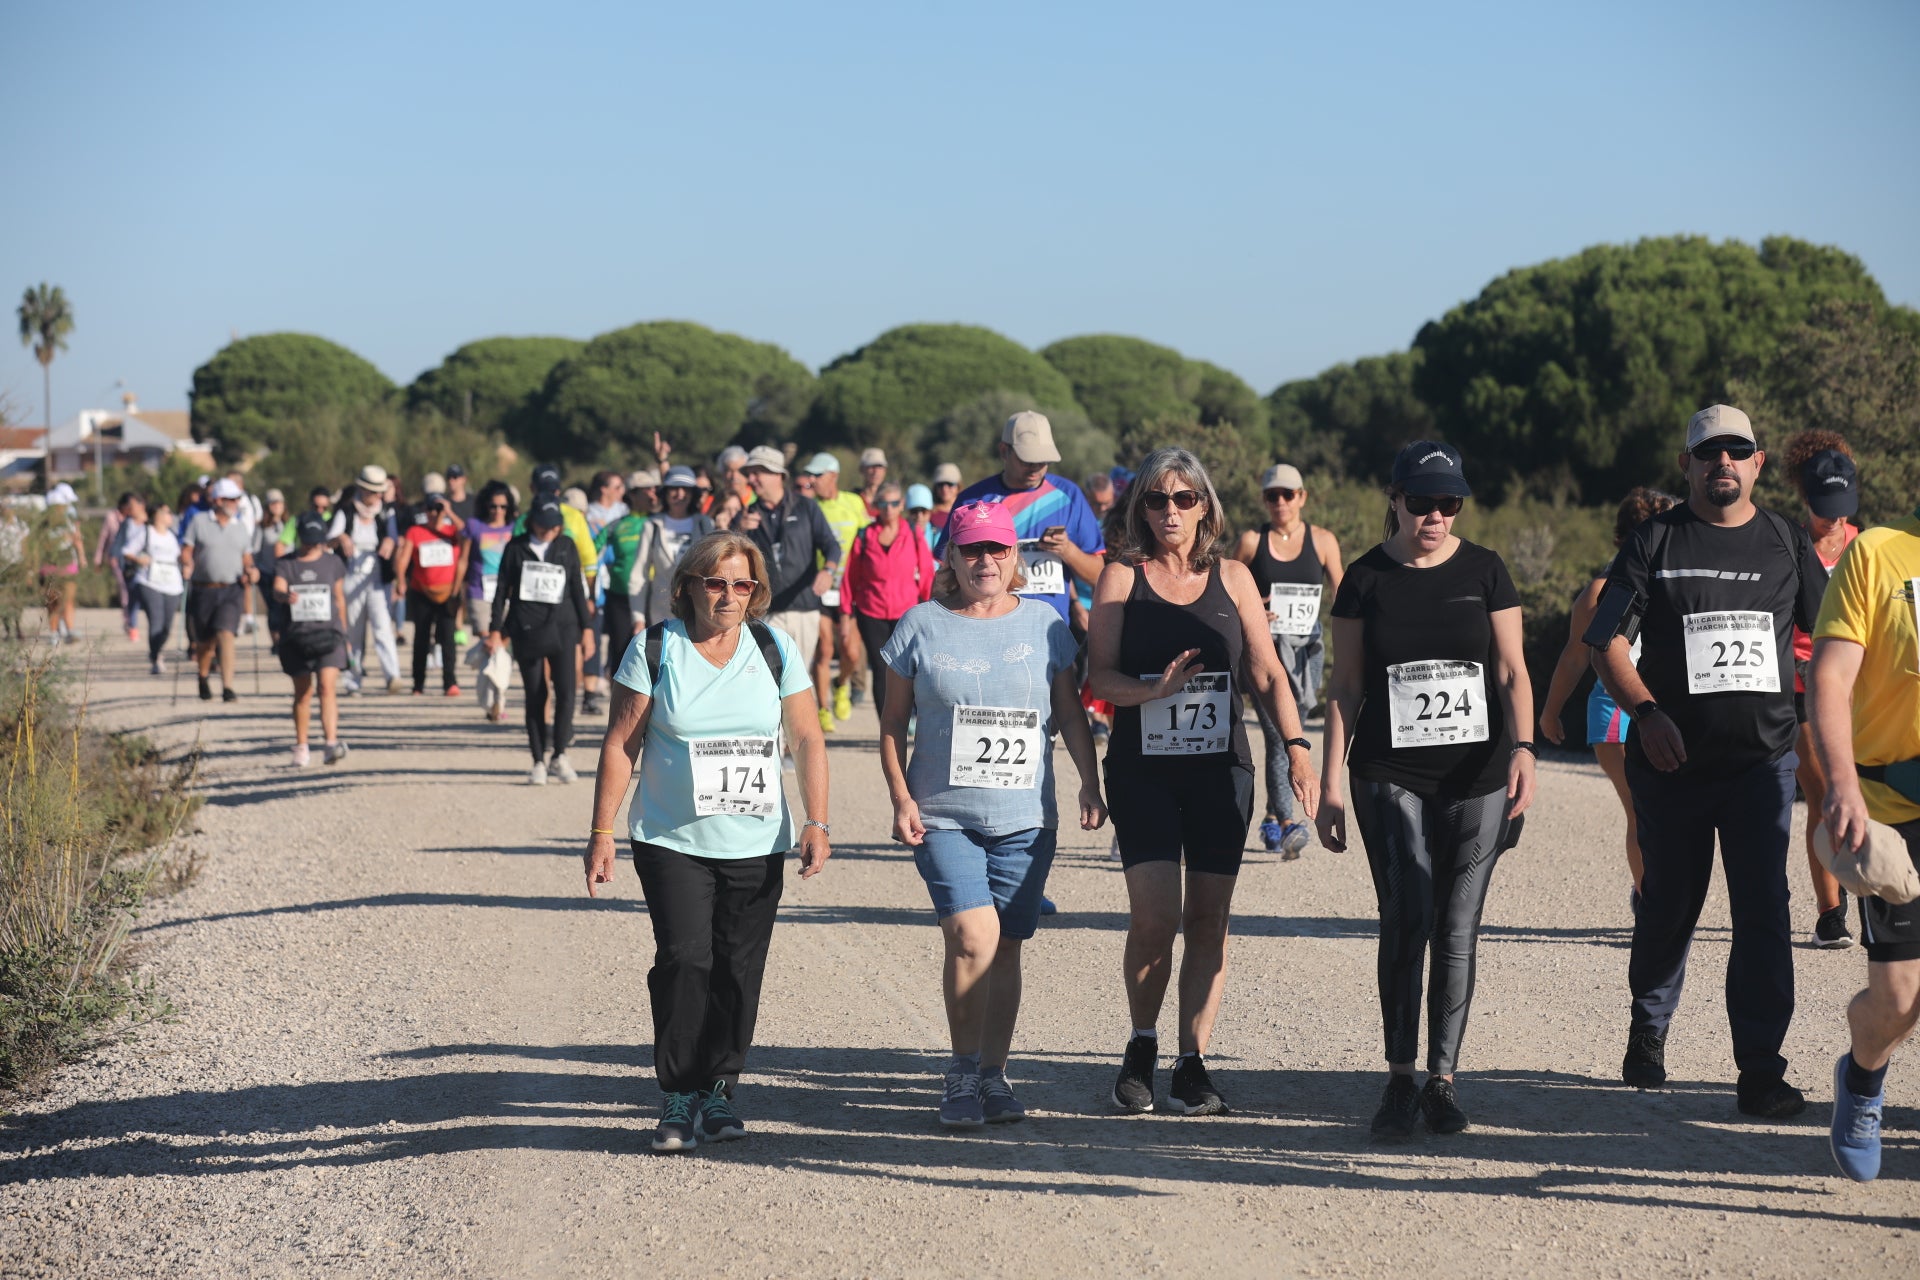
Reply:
x=681 y=477
x=1719 y=422
x=1031 y=436
x=766 y=458
x=946 y=473
x=1282 y=476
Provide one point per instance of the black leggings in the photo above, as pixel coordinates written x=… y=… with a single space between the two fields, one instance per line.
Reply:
x=874 y=634
x=1432 y=859
x=618 y=614
x=533 y=659
x=428 y=618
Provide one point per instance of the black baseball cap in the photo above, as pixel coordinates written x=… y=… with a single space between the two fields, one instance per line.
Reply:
x=319 y=491
x=1831 y=484
x=546 y=478
x=312 y=528
x=1428 y=469
x=545 y=514
x=455 y=471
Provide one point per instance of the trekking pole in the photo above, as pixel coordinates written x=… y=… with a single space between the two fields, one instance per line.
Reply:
x=256 y=657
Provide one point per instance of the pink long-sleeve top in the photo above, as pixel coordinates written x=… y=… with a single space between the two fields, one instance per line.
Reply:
x=883 y=581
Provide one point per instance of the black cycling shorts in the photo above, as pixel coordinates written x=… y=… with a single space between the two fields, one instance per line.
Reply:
x=1163 y=809
x=1892 y=933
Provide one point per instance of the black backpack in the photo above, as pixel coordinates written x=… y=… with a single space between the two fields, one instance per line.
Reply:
x=762 y=636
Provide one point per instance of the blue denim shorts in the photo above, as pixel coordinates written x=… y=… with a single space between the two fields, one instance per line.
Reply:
x=965 y=869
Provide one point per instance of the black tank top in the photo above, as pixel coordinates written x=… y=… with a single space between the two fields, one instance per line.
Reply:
x=1304 y=568
x=1153 y=632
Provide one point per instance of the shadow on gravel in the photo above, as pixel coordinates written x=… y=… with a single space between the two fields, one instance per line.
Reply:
x=869 y=1113
x=516 y=902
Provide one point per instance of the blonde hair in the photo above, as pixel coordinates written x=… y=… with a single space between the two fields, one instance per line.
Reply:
x=1137 y=540
x=946 y=577
x=704 y=556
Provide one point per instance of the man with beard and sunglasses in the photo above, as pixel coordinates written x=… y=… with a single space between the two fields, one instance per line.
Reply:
x=1717 y=586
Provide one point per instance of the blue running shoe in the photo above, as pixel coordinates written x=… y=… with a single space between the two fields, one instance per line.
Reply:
x=1292 y=840
x=1855 y=1134
x=1046 y=906
x=960 y=1106
x=1270 y=835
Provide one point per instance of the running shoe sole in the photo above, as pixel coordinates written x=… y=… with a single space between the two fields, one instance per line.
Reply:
x=966 y=1122
x=1217 y=1107
x=674 y=1143
x=731 y=1133
x=1132 y=1111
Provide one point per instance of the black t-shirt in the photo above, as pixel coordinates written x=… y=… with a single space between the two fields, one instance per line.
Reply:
x=1684 y=566
x=1438 y=614
x=462 y=507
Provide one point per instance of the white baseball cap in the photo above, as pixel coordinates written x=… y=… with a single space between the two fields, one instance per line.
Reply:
x=225 y=488
x=873 y=458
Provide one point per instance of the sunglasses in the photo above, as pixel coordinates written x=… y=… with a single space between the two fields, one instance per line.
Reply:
x=1280 y=495
x=1186 y=500
x=1710 y=450
x=741 y=586
x=1448 y=505
x=894 y=503
x=975 y=550
x=496 y=506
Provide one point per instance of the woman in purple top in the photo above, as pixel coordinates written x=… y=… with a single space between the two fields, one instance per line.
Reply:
x=490 y=529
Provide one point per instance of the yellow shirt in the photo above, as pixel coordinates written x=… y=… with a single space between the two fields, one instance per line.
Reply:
x=846 y=515
x=1870 y=601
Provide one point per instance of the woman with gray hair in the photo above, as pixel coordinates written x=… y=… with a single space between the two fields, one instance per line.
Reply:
x=1175 y=623
x=708 y=695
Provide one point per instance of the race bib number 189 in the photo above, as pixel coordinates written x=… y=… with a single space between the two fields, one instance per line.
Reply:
x=312 y=601
x=1196 y=721
x=1731 y=652
x=1437 y=704
x=735 y=775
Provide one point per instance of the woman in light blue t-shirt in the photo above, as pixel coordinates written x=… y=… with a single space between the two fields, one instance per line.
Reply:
x=710 y=828
x=991 y=677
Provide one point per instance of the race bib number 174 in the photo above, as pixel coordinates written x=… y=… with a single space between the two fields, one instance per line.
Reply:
x=735 y=775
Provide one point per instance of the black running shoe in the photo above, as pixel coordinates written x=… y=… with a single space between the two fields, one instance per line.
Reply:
x=206 y=690
x=677 y=1130
x=1133 y=1091
x=718 y=1123
x=1769 y=1097
x=228 y=695
x=1645 y=1066
x=1192 y=1091
x=1830 y=932
x=1441 y=1106
x=1399 y=1109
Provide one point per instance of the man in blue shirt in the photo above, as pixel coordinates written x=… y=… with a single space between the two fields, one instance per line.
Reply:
x=1059 y=534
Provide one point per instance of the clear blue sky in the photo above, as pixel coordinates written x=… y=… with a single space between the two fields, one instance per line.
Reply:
x=1274 y=187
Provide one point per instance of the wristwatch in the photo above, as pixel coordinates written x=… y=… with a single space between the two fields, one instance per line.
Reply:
x=1644 y=708
x=814 y=822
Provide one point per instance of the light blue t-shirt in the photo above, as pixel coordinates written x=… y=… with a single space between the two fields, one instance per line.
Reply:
x=955 y=660
x=697 y=701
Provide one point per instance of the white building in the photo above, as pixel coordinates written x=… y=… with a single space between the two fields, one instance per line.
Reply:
x=133 y=434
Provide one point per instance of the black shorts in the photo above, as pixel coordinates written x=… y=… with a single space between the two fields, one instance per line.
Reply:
x=1893 y=933
x=831 y=612
x=296 y=662
x=1800 y=708
x=215 y=609
x=1164 y=808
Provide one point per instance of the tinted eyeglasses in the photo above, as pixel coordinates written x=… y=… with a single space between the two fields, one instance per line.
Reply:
x=975 y=550
x=1447 y=505
x=1279 y=495
x=741 y=586
x=1710 y=450
x=1186 y=500
x=893 y=502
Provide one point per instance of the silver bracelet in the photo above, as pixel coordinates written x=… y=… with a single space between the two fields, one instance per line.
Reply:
x=815 y=822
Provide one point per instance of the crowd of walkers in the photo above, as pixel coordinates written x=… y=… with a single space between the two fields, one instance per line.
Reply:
x=727 y=619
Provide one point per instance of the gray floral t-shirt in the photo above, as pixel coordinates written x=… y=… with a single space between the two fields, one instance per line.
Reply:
x=1007 y=662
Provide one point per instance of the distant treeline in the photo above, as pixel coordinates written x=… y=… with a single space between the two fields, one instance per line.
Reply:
x=1568 y=381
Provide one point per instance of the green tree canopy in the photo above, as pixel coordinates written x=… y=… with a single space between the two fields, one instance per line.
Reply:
x=966 y=437
x=1125 y=382
x=890 y=392
x=242 y=396
x=699 y=388
x=493 y=379
x=1581 y=372
x=1351 y=419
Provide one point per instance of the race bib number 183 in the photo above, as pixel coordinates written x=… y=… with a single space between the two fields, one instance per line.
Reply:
x=542 y=583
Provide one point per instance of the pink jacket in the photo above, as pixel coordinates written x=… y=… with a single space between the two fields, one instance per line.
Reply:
x=885 y=582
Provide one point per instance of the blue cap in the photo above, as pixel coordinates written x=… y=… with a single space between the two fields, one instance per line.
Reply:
x=1428 y=468
x=919 y=498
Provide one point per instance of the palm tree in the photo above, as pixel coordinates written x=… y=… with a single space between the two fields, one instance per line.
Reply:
x=46 y=318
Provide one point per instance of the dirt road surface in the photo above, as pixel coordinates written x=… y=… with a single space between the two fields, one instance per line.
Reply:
x=408 y=1044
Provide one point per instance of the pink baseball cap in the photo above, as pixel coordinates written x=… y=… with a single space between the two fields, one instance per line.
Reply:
x=982 y=522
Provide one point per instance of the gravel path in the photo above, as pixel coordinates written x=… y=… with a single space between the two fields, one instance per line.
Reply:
x=409 y=1045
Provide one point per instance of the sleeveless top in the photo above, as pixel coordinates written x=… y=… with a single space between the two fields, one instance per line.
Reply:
x=1304 y=568
x=1153 y=632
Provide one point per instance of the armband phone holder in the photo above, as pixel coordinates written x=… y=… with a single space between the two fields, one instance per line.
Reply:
x=1618 y=614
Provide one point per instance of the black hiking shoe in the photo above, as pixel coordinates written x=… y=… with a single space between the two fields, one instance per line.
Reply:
x=1399 y=1109
x=206 y=690
x=1440 y=1104
x=677 y=1130
x=718 y=1123
x=1133 y=1091
x=1191 y=1090
x=1645 y=1066
x=1830 y=932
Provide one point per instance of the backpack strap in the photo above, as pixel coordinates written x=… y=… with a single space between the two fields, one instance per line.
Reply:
x=762 y=636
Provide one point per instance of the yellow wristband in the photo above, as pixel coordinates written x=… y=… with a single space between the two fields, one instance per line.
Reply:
x=602 y=831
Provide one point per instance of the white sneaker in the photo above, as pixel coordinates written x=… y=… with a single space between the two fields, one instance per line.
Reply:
x=336 y=752
x=562 y=771
x=301 y=756
x=538 y=774
x=159 y=667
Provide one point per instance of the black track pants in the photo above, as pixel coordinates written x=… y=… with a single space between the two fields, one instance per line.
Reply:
x=1432 y=861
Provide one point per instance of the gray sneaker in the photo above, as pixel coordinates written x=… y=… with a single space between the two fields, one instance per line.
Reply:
x=961 y=1108
x=561 y=770
x=997 y=1102
x=336 y=752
